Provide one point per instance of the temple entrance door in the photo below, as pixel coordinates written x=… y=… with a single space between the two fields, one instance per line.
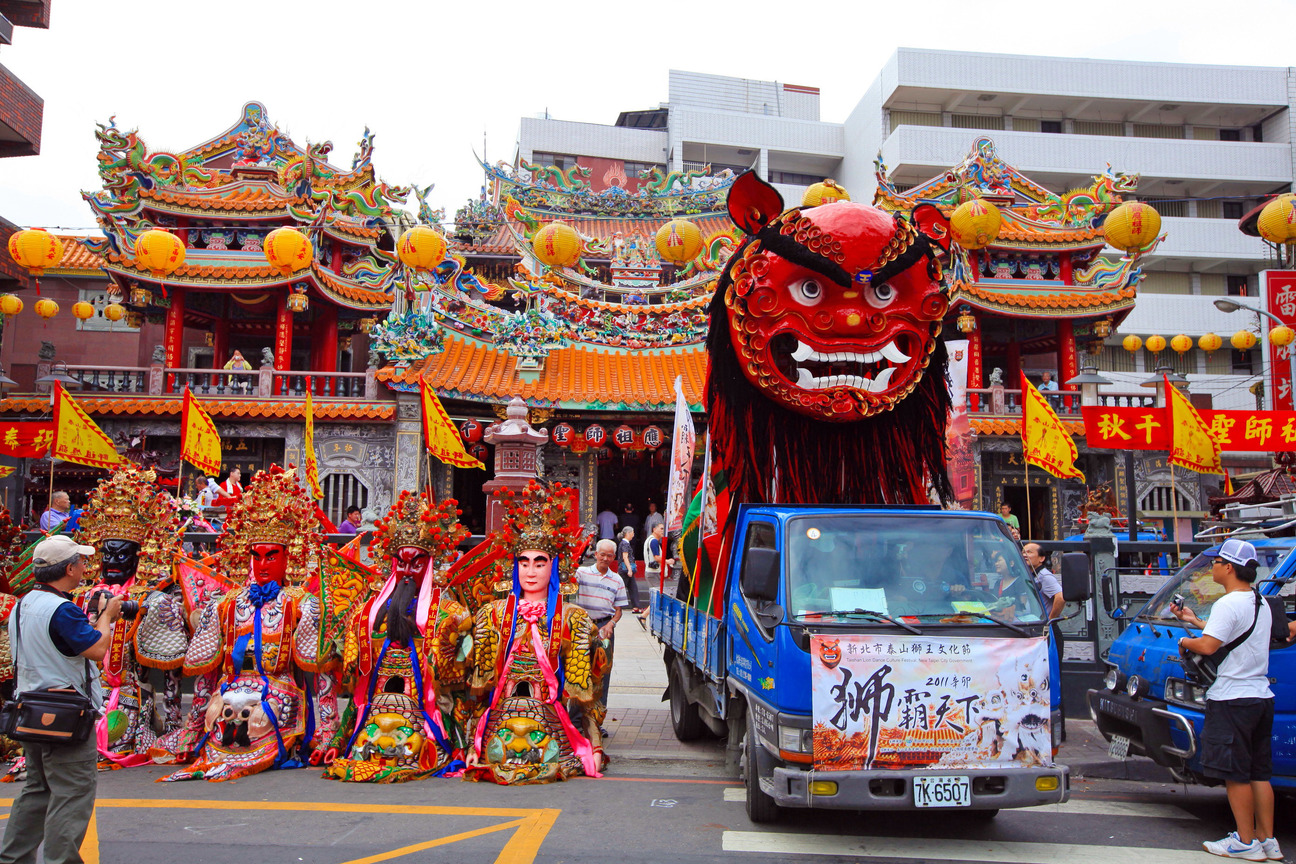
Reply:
x=625 y=478
x=1041 y=510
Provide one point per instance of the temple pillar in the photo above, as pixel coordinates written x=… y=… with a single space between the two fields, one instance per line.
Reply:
x=220 y=336
x=324 y=338
x=336 y=263
x=1067 y=359
x=517 y=458
x=974 y=370
x=174 y=338
x=1064 y=268
x=1014 y=370
x=283 y=337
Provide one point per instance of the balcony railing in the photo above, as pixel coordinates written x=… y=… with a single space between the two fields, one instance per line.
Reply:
x=263 y=383
x=1002 y=401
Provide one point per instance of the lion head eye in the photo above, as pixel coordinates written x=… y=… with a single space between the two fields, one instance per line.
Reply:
x=807 y=292
x=881 y=295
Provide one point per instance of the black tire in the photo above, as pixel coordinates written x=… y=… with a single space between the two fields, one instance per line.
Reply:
x=685 y=719
x=761 y=808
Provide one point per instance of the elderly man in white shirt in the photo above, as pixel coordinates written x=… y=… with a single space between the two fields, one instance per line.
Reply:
x=601 y=592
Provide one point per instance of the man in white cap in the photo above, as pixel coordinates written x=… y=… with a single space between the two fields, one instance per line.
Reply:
x=50 y=637
x=1238 y=729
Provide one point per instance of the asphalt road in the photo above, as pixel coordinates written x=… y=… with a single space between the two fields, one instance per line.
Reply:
x=681 y=813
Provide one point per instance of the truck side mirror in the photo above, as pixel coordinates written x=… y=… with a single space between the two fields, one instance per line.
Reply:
x=1076 y=584
x=760 y=574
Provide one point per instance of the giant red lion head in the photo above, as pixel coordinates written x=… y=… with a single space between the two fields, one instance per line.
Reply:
x=828 y=380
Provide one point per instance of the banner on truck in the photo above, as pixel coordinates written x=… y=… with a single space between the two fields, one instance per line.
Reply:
x=921 y=702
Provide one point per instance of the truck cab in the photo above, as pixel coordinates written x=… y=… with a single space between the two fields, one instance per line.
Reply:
x=1149 y=707
x=866 y=658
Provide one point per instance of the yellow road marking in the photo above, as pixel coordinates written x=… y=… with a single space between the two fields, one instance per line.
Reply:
x=524 y=845
x=90 y=845
x=441 y=841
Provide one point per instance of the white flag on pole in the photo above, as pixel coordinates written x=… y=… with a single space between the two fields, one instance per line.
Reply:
x=681 y=464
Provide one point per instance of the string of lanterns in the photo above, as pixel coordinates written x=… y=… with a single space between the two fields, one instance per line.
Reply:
x=1243 y=340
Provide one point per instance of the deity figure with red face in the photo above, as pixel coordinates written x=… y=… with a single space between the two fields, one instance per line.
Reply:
x=537 y=657
x=135 y=527
x=263 y=696
x=406 y=654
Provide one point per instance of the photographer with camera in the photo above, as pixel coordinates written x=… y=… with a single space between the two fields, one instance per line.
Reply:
x=53 y=644
x=1238 y=729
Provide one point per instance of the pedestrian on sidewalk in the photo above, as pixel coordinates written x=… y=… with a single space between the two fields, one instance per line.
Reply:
x=1237 y=733
x=655 y=554
x=626 y=565
x=602 y=593
x=653 y=518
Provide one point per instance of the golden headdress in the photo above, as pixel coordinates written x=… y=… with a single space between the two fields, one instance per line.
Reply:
x=127 y=506
x=274 y=509
x=414 y=521
x=541 y=518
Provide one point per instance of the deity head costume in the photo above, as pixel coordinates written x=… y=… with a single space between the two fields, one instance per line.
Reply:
x=263 y=694
x=135 y=530
x=535 y=654
x=405 y=651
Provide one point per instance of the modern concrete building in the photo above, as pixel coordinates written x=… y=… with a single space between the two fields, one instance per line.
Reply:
x=21 y=113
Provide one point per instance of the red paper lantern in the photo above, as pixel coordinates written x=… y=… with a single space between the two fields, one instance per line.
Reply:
x=623 y=437
x=578 y=444
x=479 y=451
x=471 y=430
x=563 y=434
x=653 y=437
x=595 y=435
x=604 y=455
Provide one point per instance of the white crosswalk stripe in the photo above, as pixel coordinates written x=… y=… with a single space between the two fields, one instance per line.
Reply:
x=1000 y=852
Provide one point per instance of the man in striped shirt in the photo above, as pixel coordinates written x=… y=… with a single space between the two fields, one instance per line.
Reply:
x=601 y=593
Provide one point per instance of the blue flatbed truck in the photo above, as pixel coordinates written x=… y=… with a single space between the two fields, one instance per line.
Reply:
x=805 y=579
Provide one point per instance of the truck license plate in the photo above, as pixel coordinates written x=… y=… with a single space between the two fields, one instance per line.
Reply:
x=1119 y=747
x=946 y=791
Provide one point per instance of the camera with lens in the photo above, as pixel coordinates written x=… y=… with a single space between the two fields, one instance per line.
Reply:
x=99 y=600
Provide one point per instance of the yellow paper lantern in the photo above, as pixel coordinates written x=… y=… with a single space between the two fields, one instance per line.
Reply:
x=679 y=240
x=288 y=250
x=825 y=192
x=35 y=249
x=1132 y=226
x=1277 y=222
x=160 y=252
x=1243 y=340
x=1156 y=344
x=1209 y=343
x=421 y=247
x=46 y=308
x=975 y=224
x=1181 y=344
x=1282 y=336
x=11 y=304
x=82 y=310
x=114 y=311
x=557 y=244
x=1131 y=343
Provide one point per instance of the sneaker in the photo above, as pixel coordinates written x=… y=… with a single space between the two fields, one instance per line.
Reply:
x=1232 y=847
x=1272 y=852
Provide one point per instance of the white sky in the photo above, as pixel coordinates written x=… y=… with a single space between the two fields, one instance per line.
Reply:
x=429 y=77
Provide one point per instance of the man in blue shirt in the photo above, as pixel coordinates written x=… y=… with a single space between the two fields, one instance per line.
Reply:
x=59 y=510
x=50 y=636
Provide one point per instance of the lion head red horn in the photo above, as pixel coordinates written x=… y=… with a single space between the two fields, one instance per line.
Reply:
x=826 y=326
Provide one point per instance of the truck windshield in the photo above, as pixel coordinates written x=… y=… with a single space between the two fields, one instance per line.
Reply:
x=919 y=566
x=1198 y=589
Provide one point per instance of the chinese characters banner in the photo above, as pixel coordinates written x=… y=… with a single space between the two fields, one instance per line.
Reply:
x=919 y=702
x=31 y=440
x=1280 y=297
x=1147 y=429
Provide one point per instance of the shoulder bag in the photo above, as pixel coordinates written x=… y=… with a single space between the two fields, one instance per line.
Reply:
x=1203 y=669
x=58 y=715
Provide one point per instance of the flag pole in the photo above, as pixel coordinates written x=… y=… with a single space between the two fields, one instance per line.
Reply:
x=1174 y=508
x=1026 y=477
x=180 y=481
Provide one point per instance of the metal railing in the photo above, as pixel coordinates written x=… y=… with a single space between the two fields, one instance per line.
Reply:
x=1003 y=401
x=262 y=383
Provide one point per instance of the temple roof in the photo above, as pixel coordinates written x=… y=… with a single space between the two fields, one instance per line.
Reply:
x=77 y=258
x=999 y=426
x=573 y=377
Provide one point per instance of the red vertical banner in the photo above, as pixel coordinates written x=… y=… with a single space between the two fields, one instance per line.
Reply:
x=174 y=335
x=283 y=337
x=1280 y=298
x=1070 y=366
x=974 y=370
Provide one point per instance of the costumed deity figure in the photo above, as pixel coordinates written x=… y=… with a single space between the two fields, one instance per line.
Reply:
x=12 y=561
x=536 y=656
x=262 y=692
x=136 y=529
x=407 y=650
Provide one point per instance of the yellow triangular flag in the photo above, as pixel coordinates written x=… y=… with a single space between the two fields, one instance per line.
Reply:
x=200 y=443
x=1191 y=446
x=1045 y=441
x=77 y=438
x=440 y=435
x=312 y=464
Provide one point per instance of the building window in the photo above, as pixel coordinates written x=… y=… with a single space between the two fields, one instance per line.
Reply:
x=1232 y=209
x=1052 y=127
x=1230 y=134
x=1157 y=130
x=1094 y=127
x=98 y=299
x=340 y=492
x=915 y=118
x=976 y=121
x=561 y=161
x=791 y=178
x=1159 y=500
x=1243 y=362
x=1169 y=206
x=1237 y=286
x=634 y=169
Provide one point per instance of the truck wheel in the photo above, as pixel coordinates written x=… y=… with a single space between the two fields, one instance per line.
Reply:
x=685 y=719
x=761 y=808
